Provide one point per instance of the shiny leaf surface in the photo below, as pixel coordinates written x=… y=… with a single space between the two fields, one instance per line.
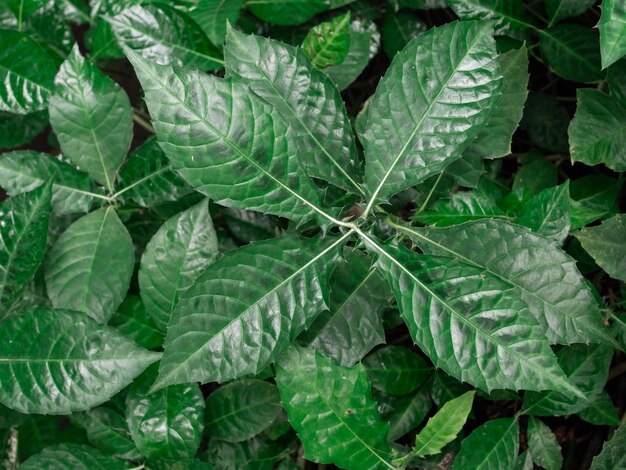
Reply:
x=492 y=446
x=548 y=213
x=612 y=26
x=543 y=446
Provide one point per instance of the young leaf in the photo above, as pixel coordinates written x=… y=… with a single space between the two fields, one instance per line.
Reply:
x=213 y=15
x=613 y=453
x=542 y=445
x=107 y=430
x=220 y=158
x=23 y=232
x=76 y=457
x=606 y=243
x=328 y=43
x=167 y=423
x=542 y=275
x=89 y=267
x=332 y=411
x=161 y=33
x=508 y=16
x=242 y=409
x=182 y=248
x=597 y=132
x=226 y=326
x=443 y=428
x=396 y=370
x=562 y=9
x=612 y=26
x=81 y=363
x=494 y=445
x=287 y=12
x=132 y=320
x=92 y=118
x=303 y=96
x=26 y=73
x=398 y=30
x=548 y=213
x=448 y=74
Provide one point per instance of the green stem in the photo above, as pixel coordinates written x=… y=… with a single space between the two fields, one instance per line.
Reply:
x=142 y=122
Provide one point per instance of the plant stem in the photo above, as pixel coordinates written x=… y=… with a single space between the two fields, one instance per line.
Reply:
x=142 y=122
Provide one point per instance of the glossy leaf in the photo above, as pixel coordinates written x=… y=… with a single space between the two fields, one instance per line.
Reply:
x=606 y=243
x=444 y=426
x=167 y=423
x=613 y=453
x=242 y=409
x=508 y=16
x=225 y=326
x=132 y=320
x=331 y=409
x=92 y=118
x=562 y=9
x=213 y=15
x=462 y=206
x=615 y=76
x=548 y=213
x=542 y=445
x=492 y=446
x=74 y=457
x=303 y=96
x=181 y=249
x=57 y=362
x=107 y=430
x=328 y=43
x=96 y=243
x=23 y=230
x=396 y=370
x=287 y=12
x=406 y=140
x=612 y=26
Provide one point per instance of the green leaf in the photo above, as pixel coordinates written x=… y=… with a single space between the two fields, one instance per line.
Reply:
x=404 y=145
x=331 y=409
x=444 y=426
x=287 y=12
x=524 y=461
x=132 y=320
x=24 y=170
x=255 y=454
x=461 y=207
x=303 y=96
x=598 y=131
x=58 y=361
x=541 y=274
x=220 y=158
x=249 y=226
x=23 y=232
x=26 y=72
x=168 y=36
x=543 y=446
x=226 y=326
x=102 y=42
x=107 y=430
x=612 y=26
x=494 y=445
x=592 y=197
x=76 y=457
x=404 y=413
x=18 y=129
x=508 y=15
x=167 y=423
x=444 y=388
x=242 y=409
x=562 y=9
x=46 y=431
x=352 y=326
x=606 y=243
x=613 y=453
x=616 y=77
x=396 y=370
x=546 y=121
x=181 y=249
x=602 y=411
x=548 y=213
x=148 y=179
x=398 y=29
x=572 y=52
x=587 y=368
x=213 y=15
x=328 y=43
x=92 y=118
x=88 y=269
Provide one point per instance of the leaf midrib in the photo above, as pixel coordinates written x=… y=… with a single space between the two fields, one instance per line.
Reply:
x=326 y=45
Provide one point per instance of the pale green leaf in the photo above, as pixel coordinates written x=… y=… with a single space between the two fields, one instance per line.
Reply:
x=328 y=43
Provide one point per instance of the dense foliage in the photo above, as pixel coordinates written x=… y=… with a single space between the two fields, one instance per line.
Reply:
x=273 y=234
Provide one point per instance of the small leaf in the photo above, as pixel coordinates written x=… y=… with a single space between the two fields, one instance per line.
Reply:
x=612 y=26
x=332 y=411
x=606 y=243
x=548 y=213
x=543 y=446
x=602 y=411
x=132 y=320
x=107 y=430
x=181 y=249
x=442 y=428
x=89 y=267
x=328 y=42
x=72 y=456
x=92 y=118
x=562 y=9
x=23 y=232
x=396 y=370
x=81 y=363
x=493 y=445
x=242 y=409
x=613 y=453
x=398 y=30
x=18 y=129
x=287 y=12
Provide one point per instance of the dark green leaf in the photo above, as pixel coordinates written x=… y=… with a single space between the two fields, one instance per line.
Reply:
x=132 y=320
x=508 y=15
x=18 y=129
x=492 y=446
x=548 y=213
x=404 y=413
x=212 y=16
x=254 y=454
x=398 y=29
x=613 y=455
x=328 y=43
x=542 y=445
x=602 y=412
x=612 y=28
x=616 y=77
x=592 y=197
x=606 y=243
x=102 y=42
x=444 y=388
x=562 y=9
x=249 y=226
x=74 y=457
x=546 y=122
x=396 y=370
x=287 y=12
x=46 y=431
x=458 y=208
x=107 y=430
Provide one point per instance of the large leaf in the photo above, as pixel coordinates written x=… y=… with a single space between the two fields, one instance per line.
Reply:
x=287 y=12
x=25 y=170
x=23 y=232
x=548 y=213
x=471 y=325
x=541 y=274
x=598 y=131
x=396 y=370
x=492 y=446
x=242 y=409
x=612 y=28
x=26 y=72
x=239 y=151
x=613 y=453
x=432 y=102
x=74 y=457
x=606 y=243
x=107 y=430
x=167 y=423
x=332 y=411
x=182 y=248
x=89 y=267
x=328 y=42
x=543 y=446
x=305 y=97
x=226 y=326
x=444 y=426
x=57 y=362
x=165 y=35
x=92 y=118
